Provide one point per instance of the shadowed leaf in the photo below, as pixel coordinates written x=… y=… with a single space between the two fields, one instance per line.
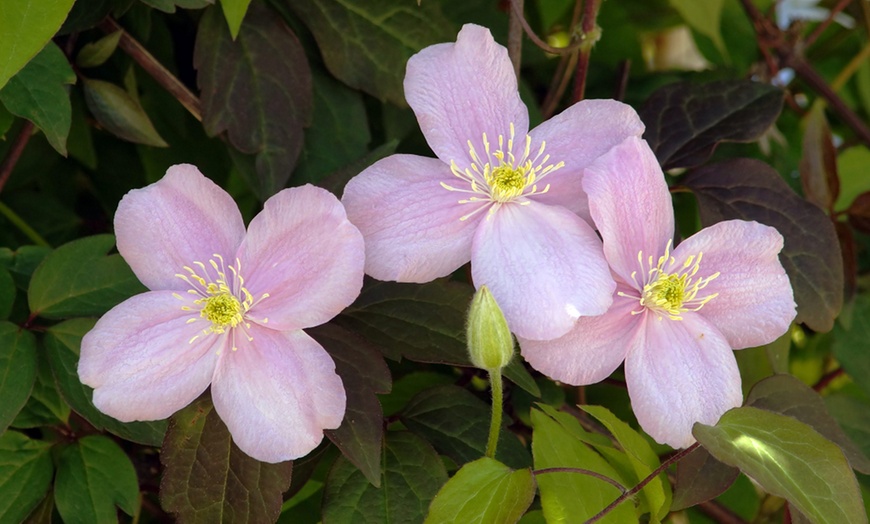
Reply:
x=700 y=478
x=17 y=370
x=94 y=54
x=26 y=470
x=852 y=343
x=859 y=213
x=818 y=165
x=120 y=114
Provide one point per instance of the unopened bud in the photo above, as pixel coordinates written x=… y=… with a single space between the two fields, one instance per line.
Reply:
x=490 y=343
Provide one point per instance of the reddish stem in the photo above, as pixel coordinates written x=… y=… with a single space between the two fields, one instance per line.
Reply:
x=590 y=13
x=14 y=153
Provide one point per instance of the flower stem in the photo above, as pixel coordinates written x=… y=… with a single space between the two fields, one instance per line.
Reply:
x=19 y=222
x=515 y=35
x=495 y=425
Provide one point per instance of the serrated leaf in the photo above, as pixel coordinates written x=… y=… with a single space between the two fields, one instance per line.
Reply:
x=7 y=293
x=364 y=373
x=788 y=459
x=26 y=471
x=96 y=53
x=257 y=89
x=207 y=478
x=700 y=478
x=120 y=114
x=37 y=93
x=456 y=423
x=751 y=190
x=26 y=28
x=366 y=43
x=685 y=122
x=93 y=476
x=234 y=12
x=62 y=344
x=45 y=406
x=484 y=491
x=17 y=370
x=413 y=474
x=78 y=279
x=423 y=323
x=818 y=165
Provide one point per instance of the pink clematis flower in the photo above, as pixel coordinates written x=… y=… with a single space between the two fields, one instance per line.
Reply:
x=676 y=314
x=508 y=199
x=227 y=308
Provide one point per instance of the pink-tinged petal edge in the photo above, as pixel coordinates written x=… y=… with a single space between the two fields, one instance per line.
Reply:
x=303 y=252
x=592 y=350
x=755 y=303
x=578 y=136
x=277 y=395
x=140 y=362
x=680 y=372
x=411 y=225
x=460 y=91
x=630 y=205
x=182 y=218
x=544 y=266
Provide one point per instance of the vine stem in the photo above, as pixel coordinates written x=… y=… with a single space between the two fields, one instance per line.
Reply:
x=495 y=423
x=582 y=471
x=588 y=25
x=15 y=151
x=515 y=34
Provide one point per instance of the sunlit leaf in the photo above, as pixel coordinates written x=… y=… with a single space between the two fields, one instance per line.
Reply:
x=234 y=12
x=26 y=470
x=17 y=370
x=120 y=114
x=26 y=28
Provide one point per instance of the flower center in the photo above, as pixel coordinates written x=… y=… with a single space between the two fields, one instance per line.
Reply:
x=499 y=176
x=222 y=310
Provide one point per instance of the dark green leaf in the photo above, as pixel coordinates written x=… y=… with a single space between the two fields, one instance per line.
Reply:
x=853 y=415
x=37 y=93
x=208 y=479
x=788 y=459
x=62 y=344
x=484 y=491
x=93 y=476
x=120 y=114
x=42 y=514
x=86 y=14
x=22 y=262
x=685 y=122
x=17 y=370
x=26 y=28
x=457 y=424
x=407 y=387
x=94 y=54
x=413 y=474
x=45 y=406
x=366 y=43
x=26 y=471
x=258 y=89
x=7 y=293
x=700 y=478
x=751 y=190
x=819 y=160
x=852 y=343
x=78 y=279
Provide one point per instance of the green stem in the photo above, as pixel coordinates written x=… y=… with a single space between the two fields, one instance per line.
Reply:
x=18 y=222
x=495 y=426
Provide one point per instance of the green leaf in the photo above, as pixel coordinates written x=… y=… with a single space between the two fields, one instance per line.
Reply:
x=258 y=89
x=26 y=28
x=26 y=471
x=852 y=343
x=78 y=279
x=484 y=491
x=120 y=114
x=853 y=415
x=456 y=423
x=364 y=373
x=62 y=344
x=700 y=478
x=95 y=54
x=413 y=474
x=22 y=262
x=45 y=406
x=366 y=43
x=788 y=459
x=7 y=293
x=705 y=18
x=207 y=478
x=752 y=190
x=234 y=12
x=17 y=370
x=93 y=476
x=685 y=122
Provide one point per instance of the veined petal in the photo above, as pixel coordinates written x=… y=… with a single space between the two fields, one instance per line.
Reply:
x=680 y=372
x=411 y=224
x=592 y=350
x=578 y=136
x=755 y=303
x=544 y=266
x=460 y=91
x=182 y=218
x=140 y=361
x=277 y=394
x=630 y=204
x=302 y=251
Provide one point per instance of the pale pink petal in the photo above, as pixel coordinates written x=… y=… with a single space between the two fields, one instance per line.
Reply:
x=301 y=250
x=140 y=361
x=680 y=372
x=755 y=303
x=592 y=350
x=630 y=204
x=460 y=91
x=277 y=394
x=544 y=266
x=578 y=136
x=412 y=225
x=182 y=218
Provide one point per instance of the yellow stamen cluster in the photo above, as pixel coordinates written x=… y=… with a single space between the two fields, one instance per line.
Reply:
x=499 y=176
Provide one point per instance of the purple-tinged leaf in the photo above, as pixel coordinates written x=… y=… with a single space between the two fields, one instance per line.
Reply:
x=208 y=479
x=257 y=89
x=751 y=190
x=700 y=478
x=818 y=165
x=685 y=122
x=859 y=213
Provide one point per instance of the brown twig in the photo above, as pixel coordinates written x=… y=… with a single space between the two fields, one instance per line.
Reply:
x=817 y=32
x=826 y=379
x=14 y=153
x=588 y=37
x=515 y=34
